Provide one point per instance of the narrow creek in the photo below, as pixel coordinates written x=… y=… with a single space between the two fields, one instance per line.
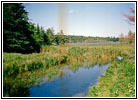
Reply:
x=72 y=83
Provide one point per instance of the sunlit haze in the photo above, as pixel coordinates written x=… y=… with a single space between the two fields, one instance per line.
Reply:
x=85 y=19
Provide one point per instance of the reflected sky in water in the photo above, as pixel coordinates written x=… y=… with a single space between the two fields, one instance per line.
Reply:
x=71 y=83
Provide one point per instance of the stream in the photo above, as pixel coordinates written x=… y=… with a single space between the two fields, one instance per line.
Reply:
x=73 y=83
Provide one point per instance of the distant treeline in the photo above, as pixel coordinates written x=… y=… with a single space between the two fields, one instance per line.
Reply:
x=88 y=39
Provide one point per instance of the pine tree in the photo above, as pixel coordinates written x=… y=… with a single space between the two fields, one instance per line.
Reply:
x=49 y=36
x=17 y=37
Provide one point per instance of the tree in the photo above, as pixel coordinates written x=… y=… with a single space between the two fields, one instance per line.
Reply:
x=121 y=37
x=57 y=39
x=60 y=38
x=38 y=34
x=35 y=39
x=17 y=37
x=131 y=21
x=48 y=36
x=131 y=37
x=131 y=16
x=61 y=32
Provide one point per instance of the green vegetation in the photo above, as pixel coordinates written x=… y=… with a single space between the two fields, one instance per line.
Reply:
x=88 y=39
x=16 y=34
x=119 y=78
x=23 y=70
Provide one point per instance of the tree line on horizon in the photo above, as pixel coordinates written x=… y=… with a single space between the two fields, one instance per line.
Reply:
x=22 y=36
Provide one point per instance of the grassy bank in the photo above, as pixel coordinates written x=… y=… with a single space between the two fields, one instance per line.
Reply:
x=118 y=80
x=20 y=71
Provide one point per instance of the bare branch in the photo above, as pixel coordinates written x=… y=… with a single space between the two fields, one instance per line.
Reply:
x=131 y=18
x=132 y=10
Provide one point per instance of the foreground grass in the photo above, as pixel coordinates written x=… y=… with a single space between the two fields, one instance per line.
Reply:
x=20 y=71
x=118 y=80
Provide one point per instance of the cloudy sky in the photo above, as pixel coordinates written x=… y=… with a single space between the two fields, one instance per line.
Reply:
x=86 y=19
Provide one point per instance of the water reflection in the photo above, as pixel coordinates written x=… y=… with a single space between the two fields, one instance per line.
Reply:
x=92 y=43
x=70 y=83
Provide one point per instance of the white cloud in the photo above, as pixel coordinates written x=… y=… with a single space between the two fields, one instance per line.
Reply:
x=71 y=11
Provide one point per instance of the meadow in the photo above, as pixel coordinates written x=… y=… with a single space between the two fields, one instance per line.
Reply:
x=20 y=71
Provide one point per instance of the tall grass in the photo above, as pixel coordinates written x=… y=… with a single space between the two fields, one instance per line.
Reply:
x=119 y=78
x=23 y=70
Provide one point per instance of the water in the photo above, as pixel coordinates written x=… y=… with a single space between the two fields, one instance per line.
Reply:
x=96 y=43
x=71 y=83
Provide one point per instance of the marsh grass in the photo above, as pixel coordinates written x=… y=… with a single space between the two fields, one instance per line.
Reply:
x=118 y=80
x=23 y=70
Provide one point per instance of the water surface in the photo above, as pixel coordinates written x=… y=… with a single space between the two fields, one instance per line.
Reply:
x=71 y=83
x=94 y=43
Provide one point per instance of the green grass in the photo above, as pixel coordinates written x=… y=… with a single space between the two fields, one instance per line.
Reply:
x=21 y=71
x=118 y=80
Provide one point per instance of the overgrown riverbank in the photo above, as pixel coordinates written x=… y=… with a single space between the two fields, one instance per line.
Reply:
x=23 y=70
x=118 y=80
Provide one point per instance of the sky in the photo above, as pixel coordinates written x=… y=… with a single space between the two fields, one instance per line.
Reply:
x=85 y=19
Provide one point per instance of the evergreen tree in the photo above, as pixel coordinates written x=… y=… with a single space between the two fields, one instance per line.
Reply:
x=17 y=37
x=49 y=36
x=57 y=40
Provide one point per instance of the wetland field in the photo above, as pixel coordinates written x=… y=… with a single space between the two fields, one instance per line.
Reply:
x=73 y=49
x=71 y=70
